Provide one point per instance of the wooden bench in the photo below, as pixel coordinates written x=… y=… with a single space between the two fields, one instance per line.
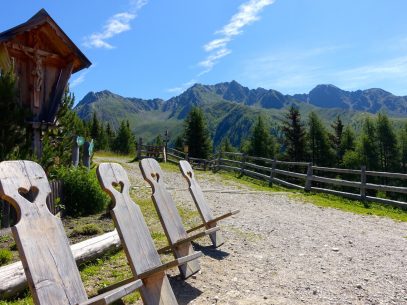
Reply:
x=138 y=245
x=49 y=265
x=178 y=239
x=209 y=221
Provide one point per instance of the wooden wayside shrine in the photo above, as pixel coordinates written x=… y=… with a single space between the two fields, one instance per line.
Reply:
x=43 y=58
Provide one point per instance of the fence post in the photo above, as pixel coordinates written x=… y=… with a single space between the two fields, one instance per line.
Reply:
x=308 y=181
x=243 y=164
x=139 y=145
x=75 y=152
x=363 y=183
x=219 y=157
x=272 y=173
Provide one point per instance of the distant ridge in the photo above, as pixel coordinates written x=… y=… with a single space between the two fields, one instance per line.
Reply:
x=231 y=108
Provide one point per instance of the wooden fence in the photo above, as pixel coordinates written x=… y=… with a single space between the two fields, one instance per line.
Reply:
x=150 y=151
x=8 y=214
x=367 y=186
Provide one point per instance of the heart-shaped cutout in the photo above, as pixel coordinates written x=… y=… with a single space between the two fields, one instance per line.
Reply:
x=30 y=195
x=118 y=186
x=156 y=176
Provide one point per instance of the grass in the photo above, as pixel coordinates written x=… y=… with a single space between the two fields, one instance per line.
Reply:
x=323 y=200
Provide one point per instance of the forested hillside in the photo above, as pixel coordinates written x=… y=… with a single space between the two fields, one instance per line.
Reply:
x=231 y=109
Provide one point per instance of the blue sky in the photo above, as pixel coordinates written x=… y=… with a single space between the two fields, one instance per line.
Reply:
x=158 y=48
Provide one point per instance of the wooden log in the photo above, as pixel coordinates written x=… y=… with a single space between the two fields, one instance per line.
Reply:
x=12 y=277
x=337 y=181
x=290 y=174
x=386 y=174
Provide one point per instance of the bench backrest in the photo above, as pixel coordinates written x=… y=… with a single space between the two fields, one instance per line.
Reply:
x=44 y=249
x=163 y=201
x=195 y=190
x=129 y=220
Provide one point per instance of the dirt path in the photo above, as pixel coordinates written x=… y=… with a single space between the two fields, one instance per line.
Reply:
x=282 y=251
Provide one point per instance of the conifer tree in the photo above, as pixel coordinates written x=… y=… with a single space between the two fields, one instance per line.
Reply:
x=336 y=138
x=110 y=136
x=95 y=127
x=387 y=142
x=13 y=143
x=403 y=147
x=179 y=143
x=294 y=135
x=347 y=140
x=318 y=142
x=226 y=146
x=124 y=142
x=196 y=134
x=261 y=142
x=367 y=148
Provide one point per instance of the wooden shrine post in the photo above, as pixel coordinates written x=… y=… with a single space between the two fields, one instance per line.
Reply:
x=43 y=58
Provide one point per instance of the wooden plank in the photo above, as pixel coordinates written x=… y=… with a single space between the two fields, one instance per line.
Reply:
x=288 y=184
x=337 y=193
x=395 y=203
x=168 y=214
x=263 y=168
x=386 y=188
x=336 y=181
x=227 y=167
x=40 y=236
x=290 y=174
x=387 y=174
x=214 y=220
x=255 y=174
x=135 y=236
x=188 y=239
x=336 y=170
x=14 y=281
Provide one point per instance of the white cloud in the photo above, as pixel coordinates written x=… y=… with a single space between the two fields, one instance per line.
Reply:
x=182 y=88
x=116 y=24
x=394 y=70
x=79 y=80
x=248 y=13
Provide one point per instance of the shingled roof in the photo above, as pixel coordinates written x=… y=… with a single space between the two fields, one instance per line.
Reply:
x=54 y=35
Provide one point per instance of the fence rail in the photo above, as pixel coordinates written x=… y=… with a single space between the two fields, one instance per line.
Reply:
x=349 y=183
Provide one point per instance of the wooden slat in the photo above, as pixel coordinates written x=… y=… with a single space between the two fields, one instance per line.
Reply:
x=395 y=203
x=40 y=237
x=134 y=234
x=290 y=174
x=336 y=181
x=337 y=193
x=386 y=188
x=387 y=174
x=168 y=214
x=222 y=166
x=288 y=184
x=337 y=170
x=263 y=168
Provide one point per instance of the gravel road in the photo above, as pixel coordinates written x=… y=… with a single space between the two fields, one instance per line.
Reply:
x=280 y=250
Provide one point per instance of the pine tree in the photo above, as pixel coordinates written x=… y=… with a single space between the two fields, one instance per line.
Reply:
x=95 y=127
x=124 y=142
x=367 y=148
x=13 y=139
x=261 y=142
x=387 y=141
x=225 y=146
x=58 y=141
x=110 y=136
x=196 y=134
x=179 y=143
x=294 y=135
x=336 y=138
x=320 y=150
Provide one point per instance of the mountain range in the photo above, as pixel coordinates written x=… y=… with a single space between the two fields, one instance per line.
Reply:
x=231 y=108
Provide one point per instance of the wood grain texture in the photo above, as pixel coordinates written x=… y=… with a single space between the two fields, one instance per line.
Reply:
x=44 y=249
x=169 y=215
x=200 y=202
x=135 y=236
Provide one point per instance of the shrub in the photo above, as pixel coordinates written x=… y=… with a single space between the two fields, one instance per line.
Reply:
x=81 y=191
x=88 y=229
x=5 y=256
